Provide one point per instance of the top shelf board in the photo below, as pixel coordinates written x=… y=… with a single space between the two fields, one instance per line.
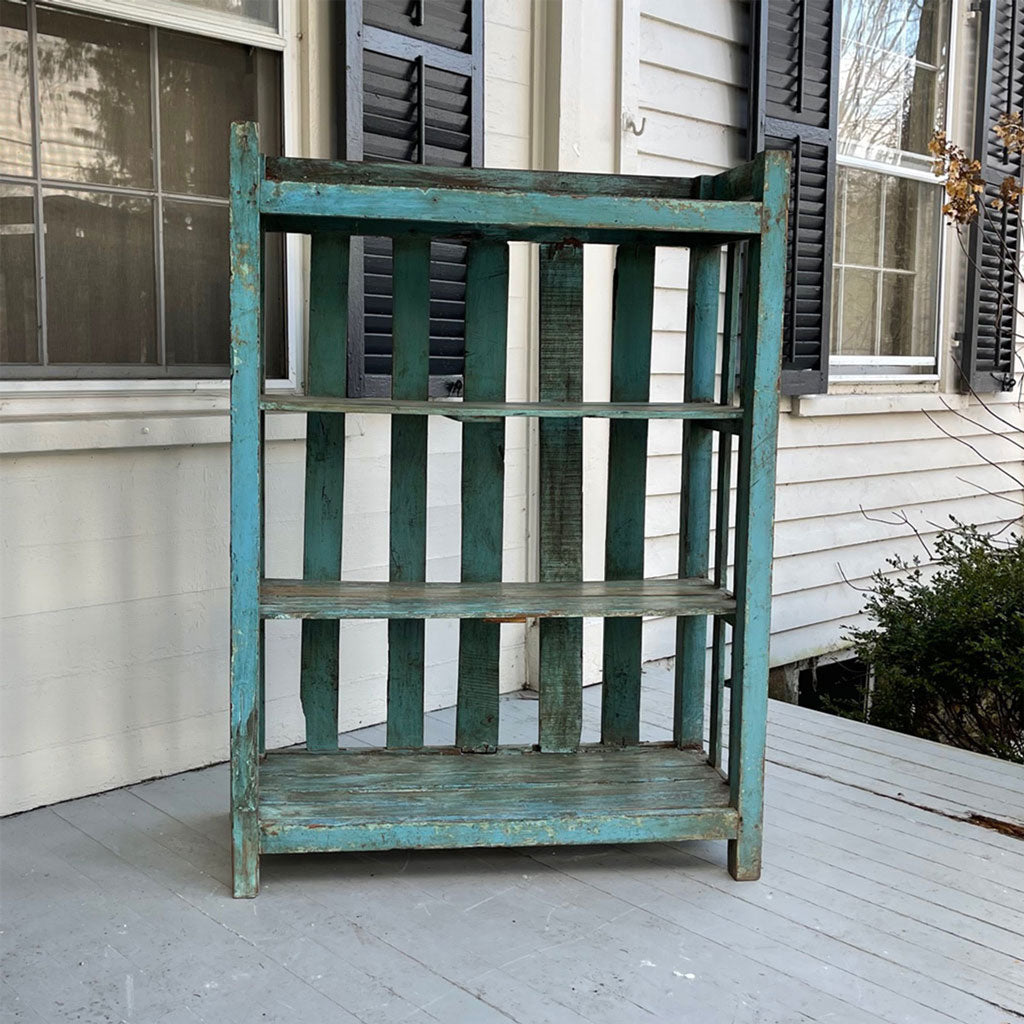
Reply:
x=533 y=216
x=490 y=411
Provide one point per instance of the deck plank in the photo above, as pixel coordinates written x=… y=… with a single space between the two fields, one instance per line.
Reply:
x=869 y=909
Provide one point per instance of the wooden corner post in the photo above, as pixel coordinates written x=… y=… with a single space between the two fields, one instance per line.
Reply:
x=755 y=508
x=246 y=504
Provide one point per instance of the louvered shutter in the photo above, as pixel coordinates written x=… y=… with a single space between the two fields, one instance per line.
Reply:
x=987 y=339
x=412 y=92
x=794 y=106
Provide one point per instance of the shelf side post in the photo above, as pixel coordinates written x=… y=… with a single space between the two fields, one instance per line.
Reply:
x=408 y=520
x=632 y=318
x=755 y=506
x=723 y=496
x=561 y=491
x=483 y=485
x=695 y=485
x=246 y=504
x=326 y=374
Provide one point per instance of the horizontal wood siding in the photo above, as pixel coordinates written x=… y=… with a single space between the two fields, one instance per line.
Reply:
x=692 y=91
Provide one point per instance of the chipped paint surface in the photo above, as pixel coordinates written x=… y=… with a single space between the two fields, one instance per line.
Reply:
x=311 y=802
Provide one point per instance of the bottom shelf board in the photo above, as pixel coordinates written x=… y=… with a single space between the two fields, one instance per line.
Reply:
x=442 y=798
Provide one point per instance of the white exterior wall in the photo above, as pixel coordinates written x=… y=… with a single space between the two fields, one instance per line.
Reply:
x=684 y=69
x=114 y=527
x=114 y=505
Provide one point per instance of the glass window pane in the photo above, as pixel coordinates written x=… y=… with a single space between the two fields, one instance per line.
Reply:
x=863 y=208
x=263 y=12
x=204 y=86
x=912 y=226
x=908 y=316
x=94 y=100
x=892 y=78
x=18 y=335
x=196 y=283
x=860 y=312
x=15 y=105
x=99 y=278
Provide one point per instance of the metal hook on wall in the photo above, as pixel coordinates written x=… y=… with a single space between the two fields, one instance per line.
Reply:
x=629 y=124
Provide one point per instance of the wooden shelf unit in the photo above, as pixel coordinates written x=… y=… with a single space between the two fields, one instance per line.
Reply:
x=410 y=796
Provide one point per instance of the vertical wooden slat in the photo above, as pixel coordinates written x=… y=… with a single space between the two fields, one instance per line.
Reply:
x=410 y=379
x=695 y=489
x=755 y=506
x=325 y=466
x=627 y=487
x=483 y=479
x=561 y=491
x=723 y=503
x=246 y=506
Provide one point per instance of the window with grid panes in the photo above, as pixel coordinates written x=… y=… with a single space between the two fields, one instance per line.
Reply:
x=887 y=249
x=114 y=192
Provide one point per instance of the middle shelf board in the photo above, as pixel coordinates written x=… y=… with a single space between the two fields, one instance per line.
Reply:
x=459 y=410
x=315 y=599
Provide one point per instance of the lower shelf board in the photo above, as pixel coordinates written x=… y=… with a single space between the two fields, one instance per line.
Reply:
x=503 y=601
x=442 y=798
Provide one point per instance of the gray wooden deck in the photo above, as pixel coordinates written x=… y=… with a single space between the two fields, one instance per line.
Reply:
x=876 y=905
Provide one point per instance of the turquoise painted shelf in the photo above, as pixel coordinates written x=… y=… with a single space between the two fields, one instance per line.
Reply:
x=475 y=793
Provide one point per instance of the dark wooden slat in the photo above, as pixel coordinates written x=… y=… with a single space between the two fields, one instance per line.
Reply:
x=281 y=599
x=627 y=488
x=561 y=491
x=408 y=521
x=325 y=466
x=480 y=410
x=483 y=480
x=695 y=488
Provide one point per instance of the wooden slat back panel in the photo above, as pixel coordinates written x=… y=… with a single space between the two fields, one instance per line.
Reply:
x=561 y=491
x=727 y=388
x=695 y=488
x=408 y=520
x=632 y=317
x=483 y=485
x=325 y=467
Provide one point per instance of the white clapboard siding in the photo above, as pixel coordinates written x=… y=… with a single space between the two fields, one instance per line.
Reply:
x=843 y=480
x=114 y=626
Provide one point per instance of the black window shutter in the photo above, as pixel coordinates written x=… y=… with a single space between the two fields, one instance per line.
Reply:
x=987 y=339
x=794 y=106
x=410 y=79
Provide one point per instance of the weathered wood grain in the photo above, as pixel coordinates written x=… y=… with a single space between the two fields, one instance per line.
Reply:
x=246 y=504
x=723 y=494
x=408 y=518
x=325 y=466
x=711 y=412
x=483 y=491
x=370 y=800
x=633 y=312
x=755 y=506
x=523 y=216
x=282 y=599
x=695 y=486
x=561 y=491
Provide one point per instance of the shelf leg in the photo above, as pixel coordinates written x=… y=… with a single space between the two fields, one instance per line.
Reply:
x=755 y=507
x=246 y=507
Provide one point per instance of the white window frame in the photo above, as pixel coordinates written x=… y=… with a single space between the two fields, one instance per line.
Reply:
x=890 y=366
x=184 y=17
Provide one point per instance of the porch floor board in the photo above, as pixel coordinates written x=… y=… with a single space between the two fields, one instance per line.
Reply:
x=879 y=903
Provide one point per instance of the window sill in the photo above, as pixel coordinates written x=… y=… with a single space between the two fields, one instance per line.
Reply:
x=61 y=422
x=865 y=403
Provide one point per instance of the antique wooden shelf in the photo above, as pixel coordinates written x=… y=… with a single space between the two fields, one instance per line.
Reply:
x=476 y=793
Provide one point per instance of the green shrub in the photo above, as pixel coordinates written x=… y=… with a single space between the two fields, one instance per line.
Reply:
x=947 y=647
